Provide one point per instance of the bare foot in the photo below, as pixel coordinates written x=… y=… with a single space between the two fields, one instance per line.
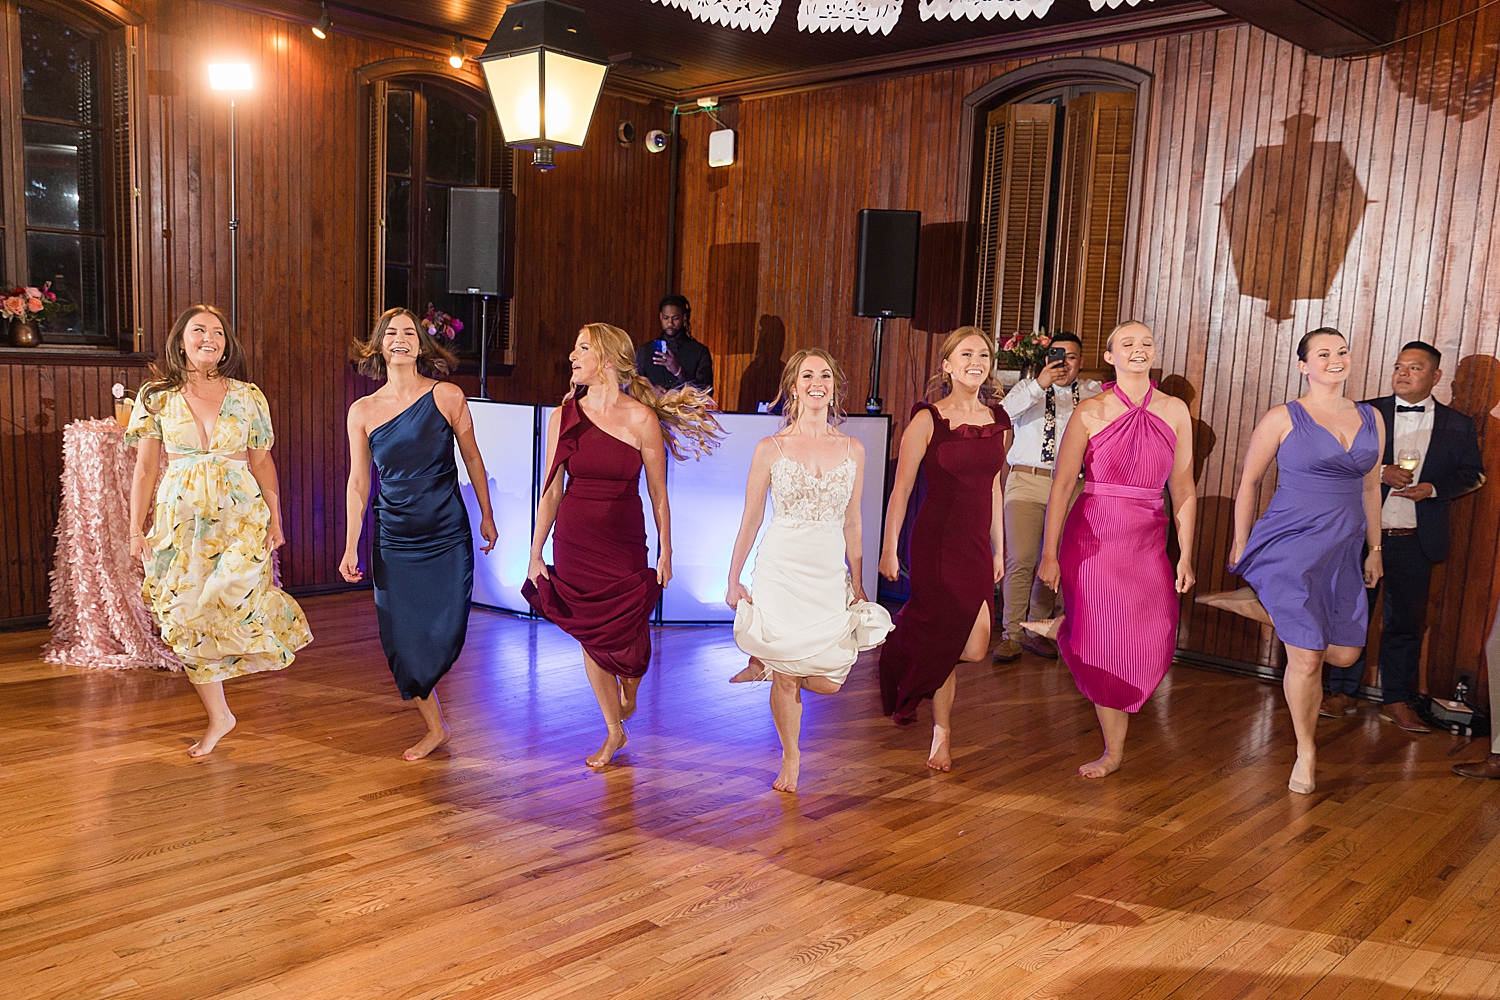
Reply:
x=786 y=781
x=429 y=743
x=216 y=732
x=1108 y=764
x=613 y=743
x=940 y=759
x=1304 y=776
x=628 y=687
x=755 y=670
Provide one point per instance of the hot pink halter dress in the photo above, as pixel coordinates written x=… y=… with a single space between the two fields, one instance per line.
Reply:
x=1120 y=632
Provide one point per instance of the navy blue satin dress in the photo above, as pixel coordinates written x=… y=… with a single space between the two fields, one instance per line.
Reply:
x=424 y=551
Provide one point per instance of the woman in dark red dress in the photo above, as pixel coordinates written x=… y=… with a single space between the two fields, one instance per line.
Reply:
x=601 y=589
x=958 y=546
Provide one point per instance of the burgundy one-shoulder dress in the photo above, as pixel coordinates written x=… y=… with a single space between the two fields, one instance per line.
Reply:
x=601 y=590
x=952 y=562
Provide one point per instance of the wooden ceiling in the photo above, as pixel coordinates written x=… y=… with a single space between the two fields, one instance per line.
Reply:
x=671 y=51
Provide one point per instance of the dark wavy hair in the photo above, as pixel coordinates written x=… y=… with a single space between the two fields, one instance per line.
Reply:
x=433 y=360
x=170 y=372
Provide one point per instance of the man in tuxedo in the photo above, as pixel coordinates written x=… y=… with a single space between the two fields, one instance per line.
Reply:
x=1413 y=526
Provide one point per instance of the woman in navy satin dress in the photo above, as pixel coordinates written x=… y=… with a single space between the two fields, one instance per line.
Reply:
x=423 y=552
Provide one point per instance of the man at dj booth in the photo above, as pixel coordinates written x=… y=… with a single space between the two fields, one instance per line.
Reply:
x=676 y=358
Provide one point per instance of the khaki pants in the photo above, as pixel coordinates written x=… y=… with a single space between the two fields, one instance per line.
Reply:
x=1026 y=597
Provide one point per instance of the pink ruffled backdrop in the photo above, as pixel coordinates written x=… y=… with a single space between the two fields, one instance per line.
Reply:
x=98 y=616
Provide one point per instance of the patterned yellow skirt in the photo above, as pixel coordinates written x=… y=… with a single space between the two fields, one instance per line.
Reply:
x=208 y=575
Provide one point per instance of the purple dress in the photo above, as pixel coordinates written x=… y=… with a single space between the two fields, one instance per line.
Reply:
x=1120 y=633
x=1303 y=557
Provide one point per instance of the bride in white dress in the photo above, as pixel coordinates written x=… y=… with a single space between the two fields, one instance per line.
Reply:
x=806 y=617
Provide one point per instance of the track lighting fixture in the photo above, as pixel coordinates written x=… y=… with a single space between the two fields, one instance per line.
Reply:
x=456 y=54
x=324 y=23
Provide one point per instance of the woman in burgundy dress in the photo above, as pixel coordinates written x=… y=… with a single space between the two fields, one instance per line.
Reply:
x=1119 y=587
x=958 y=546
x=600 y=589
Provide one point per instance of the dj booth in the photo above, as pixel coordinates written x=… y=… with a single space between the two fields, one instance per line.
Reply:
x=707 y=499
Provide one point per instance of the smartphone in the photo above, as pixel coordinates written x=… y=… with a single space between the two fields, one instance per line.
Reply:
x=1056 y=354
x=659 y=346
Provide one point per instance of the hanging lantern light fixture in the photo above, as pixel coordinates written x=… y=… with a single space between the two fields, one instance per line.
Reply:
x=544 y=68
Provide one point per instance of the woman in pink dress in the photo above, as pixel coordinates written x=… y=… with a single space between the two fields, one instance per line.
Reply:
x=1120 y=632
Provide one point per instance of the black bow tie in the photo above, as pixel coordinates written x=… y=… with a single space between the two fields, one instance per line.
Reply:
x=1411 y=409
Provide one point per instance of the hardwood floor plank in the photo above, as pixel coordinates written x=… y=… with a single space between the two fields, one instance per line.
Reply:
x=305 y=859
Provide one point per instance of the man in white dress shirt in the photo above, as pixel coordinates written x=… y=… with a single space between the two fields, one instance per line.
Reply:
x=1443 y=446
x=1039 y=409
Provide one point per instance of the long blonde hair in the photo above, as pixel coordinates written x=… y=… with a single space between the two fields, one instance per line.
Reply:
x=171 y=369
x=786 y=395
x=686 y=415
x=989 y=390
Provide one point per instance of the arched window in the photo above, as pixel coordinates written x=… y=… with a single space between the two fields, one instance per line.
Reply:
x=428 y=136
x=1054 y=197
x=67 y=201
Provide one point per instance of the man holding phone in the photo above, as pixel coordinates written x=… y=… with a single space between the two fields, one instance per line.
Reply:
x=675 y=359
x=1039 y=410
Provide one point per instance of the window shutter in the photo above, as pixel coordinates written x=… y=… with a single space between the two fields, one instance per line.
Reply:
x=1013 y=226
x=125 y=201
x=502 y=176
x=375 y=210
x=1095 y=192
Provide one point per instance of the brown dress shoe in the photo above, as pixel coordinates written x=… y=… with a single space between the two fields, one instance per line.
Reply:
x=1487 y=768
x=1045 y=648
x=1401 y=714
x=1007 y=651
x=1336 y=706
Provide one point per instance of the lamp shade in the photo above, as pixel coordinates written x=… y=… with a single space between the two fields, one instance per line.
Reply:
x=544 y=68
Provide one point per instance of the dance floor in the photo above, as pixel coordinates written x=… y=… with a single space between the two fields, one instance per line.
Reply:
x=304 y=859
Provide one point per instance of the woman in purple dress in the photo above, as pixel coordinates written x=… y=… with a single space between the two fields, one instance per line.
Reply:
x=1302 y=557
x=1116 y=581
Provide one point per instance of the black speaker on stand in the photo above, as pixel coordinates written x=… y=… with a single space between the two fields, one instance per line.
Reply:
x=481 y=255
x=885 y=286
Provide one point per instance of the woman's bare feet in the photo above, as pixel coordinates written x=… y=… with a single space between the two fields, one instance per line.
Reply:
x=791 y=767
x=429 y=743
x=1108 y=764
x=755 y=670
x=217 y=730
x=628 y=687
x=1304 y=774
x=613 y=743
x=940 y=759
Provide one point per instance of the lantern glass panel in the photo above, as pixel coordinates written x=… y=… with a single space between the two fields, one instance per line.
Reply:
x=513 y=83
x=572 y=89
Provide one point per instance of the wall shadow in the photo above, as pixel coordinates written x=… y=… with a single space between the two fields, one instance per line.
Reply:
x=1452 y=70
x=1291 y=216
x=733 y=296
x=762 y=376
x=940 y=277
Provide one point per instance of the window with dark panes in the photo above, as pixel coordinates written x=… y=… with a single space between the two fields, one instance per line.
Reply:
x=65 y=172
x=434 y=141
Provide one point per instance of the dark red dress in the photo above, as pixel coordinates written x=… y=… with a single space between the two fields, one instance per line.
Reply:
x=951 y=562
x=601 y=590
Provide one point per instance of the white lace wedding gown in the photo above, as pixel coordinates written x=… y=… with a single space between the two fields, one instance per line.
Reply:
x=802 y=618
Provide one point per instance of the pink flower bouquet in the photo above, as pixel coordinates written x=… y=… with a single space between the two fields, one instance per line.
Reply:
x=440 y=324
x=30 y=303
x=1024 y=351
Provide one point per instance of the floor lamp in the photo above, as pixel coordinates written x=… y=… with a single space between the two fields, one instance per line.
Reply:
x=234 y=78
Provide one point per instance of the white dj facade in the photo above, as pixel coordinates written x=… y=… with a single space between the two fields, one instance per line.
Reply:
x=707 y=498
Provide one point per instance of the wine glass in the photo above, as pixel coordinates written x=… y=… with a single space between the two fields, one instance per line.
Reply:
x=1409 y=459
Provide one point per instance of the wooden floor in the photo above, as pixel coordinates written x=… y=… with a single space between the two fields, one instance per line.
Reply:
x=304 y=859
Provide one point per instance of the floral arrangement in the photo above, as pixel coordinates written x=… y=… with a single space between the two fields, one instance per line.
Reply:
x=30 y=303
x=440 y=324
x=1024 y=351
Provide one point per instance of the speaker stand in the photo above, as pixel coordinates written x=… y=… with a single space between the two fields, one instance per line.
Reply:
x=484 y=347
x=874 y=404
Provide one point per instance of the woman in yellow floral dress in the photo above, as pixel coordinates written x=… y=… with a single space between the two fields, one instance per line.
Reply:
x=207 y=547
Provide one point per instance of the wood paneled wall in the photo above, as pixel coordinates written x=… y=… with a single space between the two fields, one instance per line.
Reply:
x=1279 y=192
x=592 y=246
